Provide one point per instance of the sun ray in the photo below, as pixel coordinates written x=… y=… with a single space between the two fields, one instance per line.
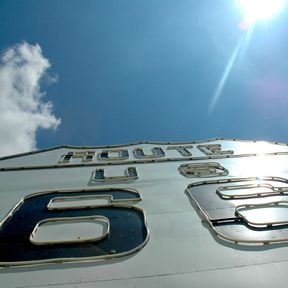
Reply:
x=253 y=10
x=225 y=75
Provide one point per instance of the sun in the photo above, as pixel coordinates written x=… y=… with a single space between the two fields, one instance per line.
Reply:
x=260 y=9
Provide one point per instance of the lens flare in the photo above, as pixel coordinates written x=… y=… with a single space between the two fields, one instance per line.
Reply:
x=253 y=10
x=239 y=50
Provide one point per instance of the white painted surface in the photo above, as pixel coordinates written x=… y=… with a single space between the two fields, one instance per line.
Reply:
x=182 y=251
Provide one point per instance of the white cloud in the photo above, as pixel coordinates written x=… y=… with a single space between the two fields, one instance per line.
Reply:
x=22 y=110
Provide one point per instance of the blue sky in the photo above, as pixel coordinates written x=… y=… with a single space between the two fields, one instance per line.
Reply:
x=131 y=70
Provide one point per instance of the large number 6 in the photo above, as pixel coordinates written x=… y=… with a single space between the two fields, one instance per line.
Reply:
x=124 y=231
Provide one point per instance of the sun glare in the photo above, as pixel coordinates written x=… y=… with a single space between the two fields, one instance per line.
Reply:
x=260 y=9
x=252 y=10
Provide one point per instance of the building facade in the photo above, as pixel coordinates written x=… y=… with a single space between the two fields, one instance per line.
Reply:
x=148 y=214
